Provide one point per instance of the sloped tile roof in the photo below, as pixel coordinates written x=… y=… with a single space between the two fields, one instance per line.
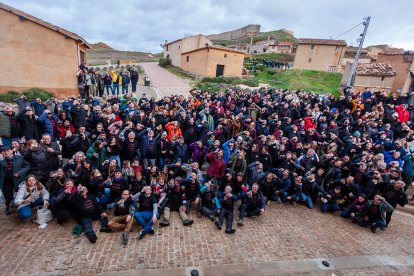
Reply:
x=374 y=69
x=322 y=41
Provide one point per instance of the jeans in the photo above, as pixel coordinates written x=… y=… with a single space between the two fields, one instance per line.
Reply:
x=374 y=223
x=25 y=212
x=329 y=207
x=109 y=87
x=134 y=86
x=124 y=88
x=107 y=198
x=303 y=198
x=161 y=162
x=229 y=218
x=147 y=162
x=86 y=222
x=144 y=219
x=207 y=211
x=248 y=211
x=116 y=89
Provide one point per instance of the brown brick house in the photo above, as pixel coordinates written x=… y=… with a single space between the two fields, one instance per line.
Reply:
x=400 y=63
x=319 y=54
x=35 y=53
x=213 y=61
x=377 y=76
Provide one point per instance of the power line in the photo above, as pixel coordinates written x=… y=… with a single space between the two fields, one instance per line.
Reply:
x=349 y=30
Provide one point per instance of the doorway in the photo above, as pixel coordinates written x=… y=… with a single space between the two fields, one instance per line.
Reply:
x=219 y=70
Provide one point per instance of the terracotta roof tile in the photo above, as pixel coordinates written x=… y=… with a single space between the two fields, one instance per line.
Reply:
x=34 y=19
x=374 y=69
x=322 y=41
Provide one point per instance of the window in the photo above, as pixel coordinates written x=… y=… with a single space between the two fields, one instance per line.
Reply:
x=312 y=46
x=382 y=78
x=167 y=48
x=225 y=55
x=309 y=60
x=336 y=48
x=188 y=58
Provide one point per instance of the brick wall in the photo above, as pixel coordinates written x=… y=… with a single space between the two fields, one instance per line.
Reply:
x=400 y=67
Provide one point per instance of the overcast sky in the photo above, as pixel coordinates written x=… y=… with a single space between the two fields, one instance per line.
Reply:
x=143 y=25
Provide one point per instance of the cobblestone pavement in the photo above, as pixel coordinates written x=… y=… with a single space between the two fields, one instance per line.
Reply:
x=283 y=233
x=164 y=82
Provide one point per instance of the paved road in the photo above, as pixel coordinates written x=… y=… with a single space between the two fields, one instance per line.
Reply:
x=164 y=82
x=284 y=239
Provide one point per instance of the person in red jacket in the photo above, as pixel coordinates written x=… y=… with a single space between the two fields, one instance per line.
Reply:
x=403 y=114
x=309 y=123
x=217 y=166
x=173 y=129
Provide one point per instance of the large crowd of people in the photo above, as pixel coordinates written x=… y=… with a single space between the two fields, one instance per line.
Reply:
x=132 y=159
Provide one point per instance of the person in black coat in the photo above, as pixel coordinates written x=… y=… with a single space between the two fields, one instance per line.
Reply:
x=61 y=206
x=87 y=208
x=27 y=122
x=78 y=115
x=13 y=171
x=39 y=162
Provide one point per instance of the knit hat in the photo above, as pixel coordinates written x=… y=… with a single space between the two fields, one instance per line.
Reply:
x=356 y=134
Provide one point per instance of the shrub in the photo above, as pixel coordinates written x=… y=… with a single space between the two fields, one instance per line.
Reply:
x=164 y=62
x=9 y=96
x=33 y=93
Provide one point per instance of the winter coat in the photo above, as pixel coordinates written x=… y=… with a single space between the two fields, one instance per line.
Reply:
x=96 y=160
x=47 y=126
x=5 y=127
x=217 y=167
x=52 y=156
x=20 y=166
x=408 y=167
x=78 y=116
x=22 y=193
x=27 y=125
x=39 y=162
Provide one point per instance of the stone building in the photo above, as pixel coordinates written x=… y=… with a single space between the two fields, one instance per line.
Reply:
x=213 y=61
x=35 y=53
x=174 y=49
x=376 y=76
x=400 y=63
x=319 y=54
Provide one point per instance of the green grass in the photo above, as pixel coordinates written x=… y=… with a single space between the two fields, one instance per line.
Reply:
x=308 y=80
x=252 y=82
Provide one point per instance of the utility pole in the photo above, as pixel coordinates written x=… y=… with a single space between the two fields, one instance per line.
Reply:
x=361 y=42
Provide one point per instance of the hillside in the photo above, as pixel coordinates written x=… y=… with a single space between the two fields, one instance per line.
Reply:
x=281 y=34
x=100 y=51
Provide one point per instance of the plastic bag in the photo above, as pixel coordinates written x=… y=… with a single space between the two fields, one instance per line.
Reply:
x=2 y=200
x=43 y=215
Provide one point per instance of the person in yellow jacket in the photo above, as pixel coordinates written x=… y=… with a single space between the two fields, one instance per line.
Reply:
x=116 y=81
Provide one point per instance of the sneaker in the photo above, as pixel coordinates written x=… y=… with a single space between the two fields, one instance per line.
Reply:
x=383 y=228
x=199 y=214
x=218 y=225
x=240 y=222
x=294 y=203
x=164 y=223
x=373 y=229
x=188 y=222
x=211 y=217
x=7 y=212
x=230 y=231
x=124 y=237
x=141 y=235
x=152 y=231
x=105 y=230
x=92 y=239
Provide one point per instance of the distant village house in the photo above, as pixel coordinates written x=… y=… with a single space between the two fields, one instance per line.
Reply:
x=376 y=76
x=319 y=54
